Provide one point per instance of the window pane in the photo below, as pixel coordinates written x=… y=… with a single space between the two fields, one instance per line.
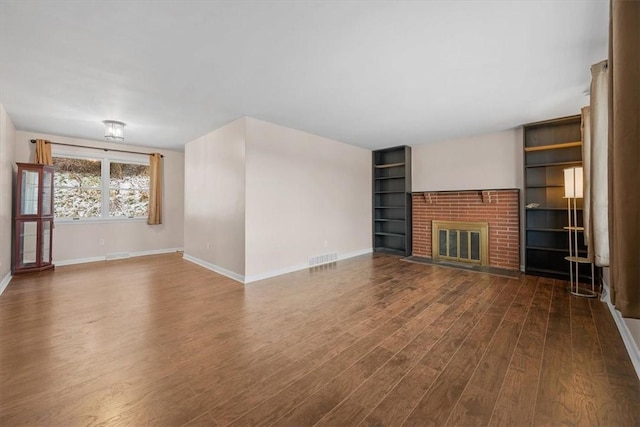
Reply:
x=77 y=188
x=77 y=172
x=128 y=203
x=129 y=190
x=128 y=176
x=77 y=202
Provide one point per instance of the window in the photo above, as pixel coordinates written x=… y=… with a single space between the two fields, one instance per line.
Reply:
x=100 y=188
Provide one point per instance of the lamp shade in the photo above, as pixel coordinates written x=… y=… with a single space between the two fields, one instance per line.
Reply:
x=573 y=183
x=113 y=130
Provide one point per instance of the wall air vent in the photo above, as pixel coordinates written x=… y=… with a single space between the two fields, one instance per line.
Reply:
x=323 y=259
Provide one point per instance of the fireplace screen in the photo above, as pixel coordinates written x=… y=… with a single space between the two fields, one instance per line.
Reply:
x=460 y=241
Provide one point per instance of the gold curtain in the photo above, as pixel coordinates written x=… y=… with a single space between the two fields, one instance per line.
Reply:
x=43 y=152
x=624 y=156
x=155 y=189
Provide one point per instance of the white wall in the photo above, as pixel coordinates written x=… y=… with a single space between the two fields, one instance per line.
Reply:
x=306 y=196
x=261 y=199
x=215 y=199
x=491 y=161
x=77 y=242
x=7 y=161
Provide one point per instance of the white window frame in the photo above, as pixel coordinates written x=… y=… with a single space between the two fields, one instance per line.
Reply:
x=105 y=159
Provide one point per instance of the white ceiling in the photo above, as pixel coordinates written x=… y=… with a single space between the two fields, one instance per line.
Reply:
x=370 y=73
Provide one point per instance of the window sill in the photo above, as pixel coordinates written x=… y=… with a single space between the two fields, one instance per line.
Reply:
x=98 y=220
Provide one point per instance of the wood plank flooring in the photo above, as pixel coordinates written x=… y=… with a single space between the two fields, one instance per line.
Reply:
x=368 y=341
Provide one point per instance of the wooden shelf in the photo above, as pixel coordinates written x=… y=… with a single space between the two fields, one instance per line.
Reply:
x=542 y=248
x=544 y=165
x=554 y=230
x=554 y=146
x=388 y=220
x=389 y=177
x=389 y=207
x=389 y=250
x=389 y=192
x=382 y=233
x=389 y=165
x=545 y=270
x=574 y=228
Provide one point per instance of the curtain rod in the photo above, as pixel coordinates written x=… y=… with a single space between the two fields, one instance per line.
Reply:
x=33 y=141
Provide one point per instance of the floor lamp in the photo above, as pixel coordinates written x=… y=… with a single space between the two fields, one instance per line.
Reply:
x=574 y=190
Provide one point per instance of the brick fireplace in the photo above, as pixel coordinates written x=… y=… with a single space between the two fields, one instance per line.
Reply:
x=498 y=208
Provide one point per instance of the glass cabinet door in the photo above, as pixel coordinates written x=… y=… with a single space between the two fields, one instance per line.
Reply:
x=45 y=252
x=47 y=192
x=27 y=243
x=29 y=193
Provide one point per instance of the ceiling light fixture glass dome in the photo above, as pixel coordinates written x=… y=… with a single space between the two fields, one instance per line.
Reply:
x=114 y=130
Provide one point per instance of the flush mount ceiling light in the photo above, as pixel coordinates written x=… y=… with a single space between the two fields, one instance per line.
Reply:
x=113 y=130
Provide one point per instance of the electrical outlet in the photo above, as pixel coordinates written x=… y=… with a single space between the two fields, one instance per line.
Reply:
x=208 y=246
x=101 y=242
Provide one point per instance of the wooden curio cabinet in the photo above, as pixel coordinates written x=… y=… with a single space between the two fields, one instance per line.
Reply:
x=33 y=231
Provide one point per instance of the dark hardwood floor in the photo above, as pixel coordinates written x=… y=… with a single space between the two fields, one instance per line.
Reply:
x=368 y=341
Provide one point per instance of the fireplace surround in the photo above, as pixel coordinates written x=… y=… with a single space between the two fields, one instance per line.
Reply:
x=499 y=209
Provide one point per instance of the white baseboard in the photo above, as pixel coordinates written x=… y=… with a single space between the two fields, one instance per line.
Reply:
x=156 y=252
x=216 y=268
x=355 y=254
x=64 y=262
x=78 y=261
x=267 y=275
x=625 y=333
x=5 y=282
x=256 y=277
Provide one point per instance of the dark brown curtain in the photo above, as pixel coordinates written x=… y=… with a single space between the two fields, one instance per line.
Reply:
x=155 y=189
x=43 y=153
x=624 y=155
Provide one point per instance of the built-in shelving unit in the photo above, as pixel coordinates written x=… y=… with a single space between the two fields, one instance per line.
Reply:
x=392 y=200
x=549 y=148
